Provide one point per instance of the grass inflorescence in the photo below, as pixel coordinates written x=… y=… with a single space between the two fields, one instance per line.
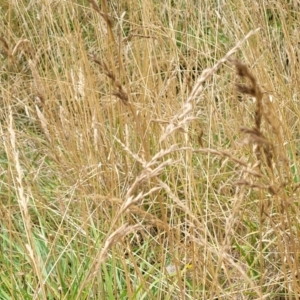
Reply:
x=149 y=150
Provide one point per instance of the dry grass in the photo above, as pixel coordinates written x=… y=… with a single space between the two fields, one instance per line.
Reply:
x=150 y=150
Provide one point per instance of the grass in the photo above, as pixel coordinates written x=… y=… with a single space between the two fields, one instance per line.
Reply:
x=150 y=150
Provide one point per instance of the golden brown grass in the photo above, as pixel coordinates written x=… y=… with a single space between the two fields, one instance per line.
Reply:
x=150 y=150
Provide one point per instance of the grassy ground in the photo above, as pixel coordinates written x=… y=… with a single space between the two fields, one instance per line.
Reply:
x=149 y=149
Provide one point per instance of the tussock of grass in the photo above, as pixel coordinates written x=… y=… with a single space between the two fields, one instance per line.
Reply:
x=150 y=150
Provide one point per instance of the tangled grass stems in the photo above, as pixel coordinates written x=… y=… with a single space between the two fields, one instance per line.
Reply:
x=136 y=164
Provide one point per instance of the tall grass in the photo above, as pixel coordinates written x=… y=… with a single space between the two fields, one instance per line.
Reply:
x=150 y=150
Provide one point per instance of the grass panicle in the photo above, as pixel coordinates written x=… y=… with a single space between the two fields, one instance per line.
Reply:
x=150 y=150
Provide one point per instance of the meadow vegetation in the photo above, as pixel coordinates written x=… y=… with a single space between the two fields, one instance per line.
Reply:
x=150 y=149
